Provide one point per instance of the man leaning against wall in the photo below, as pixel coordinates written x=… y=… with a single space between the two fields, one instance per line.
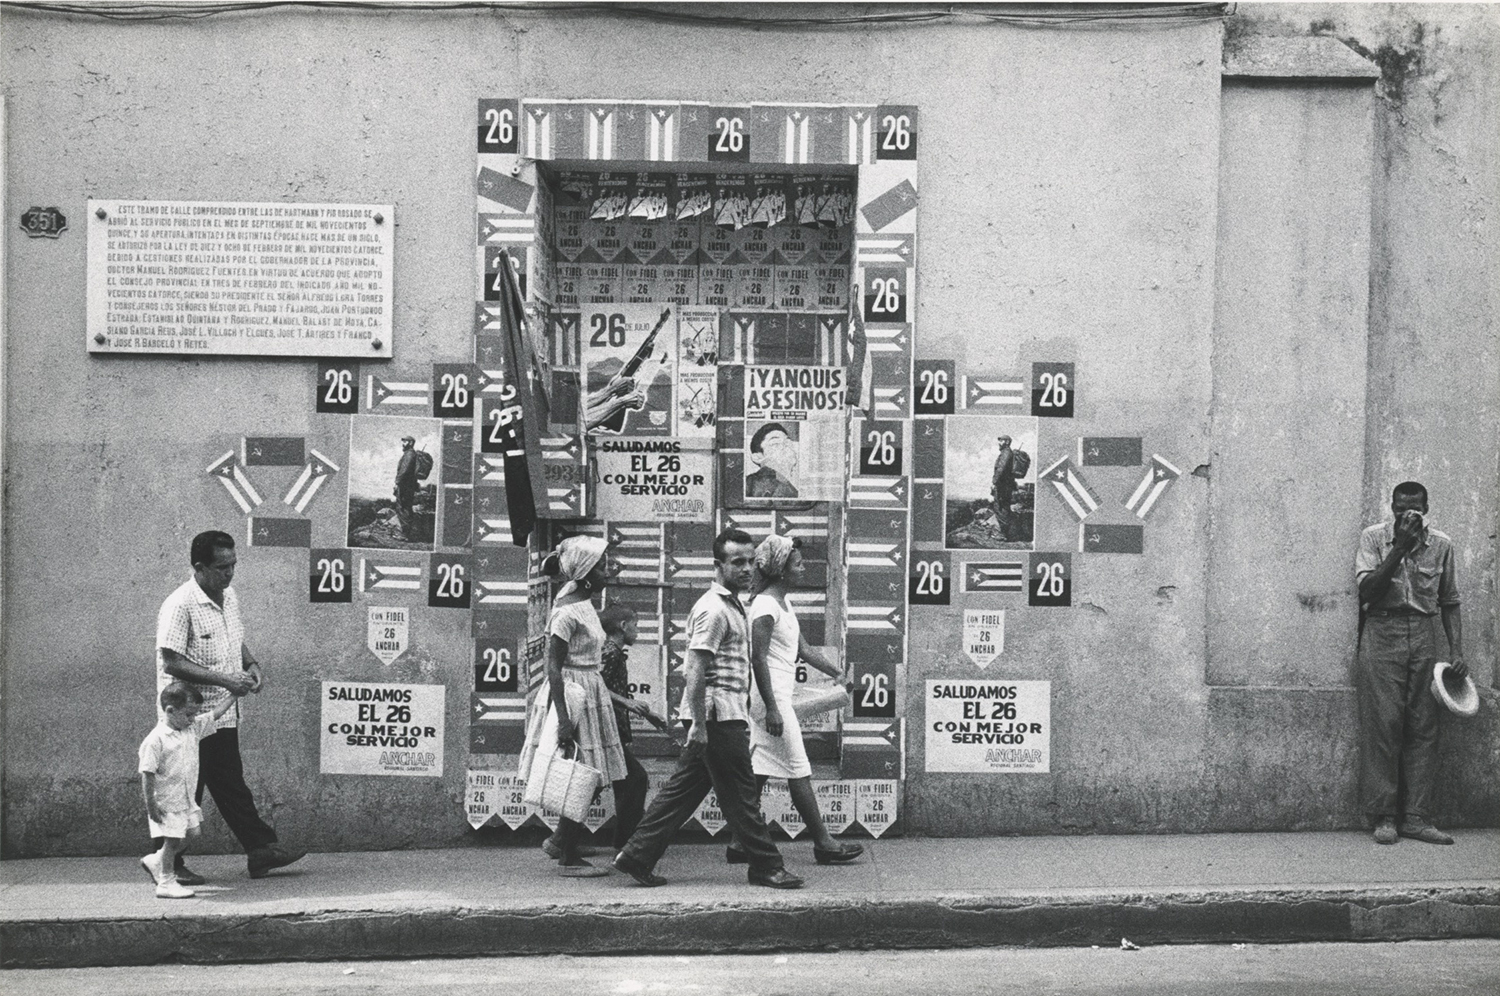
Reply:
x=201 y=640
x=1406 y=574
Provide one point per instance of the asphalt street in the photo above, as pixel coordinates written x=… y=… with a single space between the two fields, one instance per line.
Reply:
x=1433 y=968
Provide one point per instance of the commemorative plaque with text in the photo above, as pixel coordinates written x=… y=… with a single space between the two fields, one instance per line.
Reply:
x=263 y=279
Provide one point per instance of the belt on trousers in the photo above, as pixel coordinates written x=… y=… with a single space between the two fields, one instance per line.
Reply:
x=1396 y=613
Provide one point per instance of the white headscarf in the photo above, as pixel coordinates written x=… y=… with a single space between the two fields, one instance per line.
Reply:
x=772 y=555
x=576 y=556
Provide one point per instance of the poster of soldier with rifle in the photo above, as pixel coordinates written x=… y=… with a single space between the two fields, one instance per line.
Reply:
x=629 y=369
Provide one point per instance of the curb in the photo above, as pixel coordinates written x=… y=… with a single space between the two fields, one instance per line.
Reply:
x=1260 y=916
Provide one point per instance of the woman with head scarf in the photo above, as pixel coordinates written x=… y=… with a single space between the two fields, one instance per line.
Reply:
x=575 y=691
x=776 y=644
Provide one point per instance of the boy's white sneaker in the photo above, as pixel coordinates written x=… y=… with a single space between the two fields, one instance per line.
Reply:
x=152 y=864
x=173 y=889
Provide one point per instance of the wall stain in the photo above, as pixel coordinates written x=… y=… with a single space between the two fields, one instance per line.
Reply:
x=1317 y=603
x=1398 y=63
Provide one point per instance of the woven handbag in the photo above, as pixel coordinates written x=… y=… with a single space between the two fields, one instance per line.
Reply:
x=561 y=785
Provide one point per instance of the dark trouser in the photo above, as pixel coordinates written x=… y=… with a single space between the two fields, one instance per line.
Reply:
x=568 y=834
x=1398 y=717
x=404 y=500
x=760 y=788
x=220 y=771
x=1003 y=518
x=630 y=798
x=722 y=764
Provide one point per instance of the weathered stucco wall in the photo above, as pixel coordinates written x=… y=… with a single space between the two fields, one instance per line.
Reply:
x=1071 y=185
x=1288 y=435
x=1083 y=230
x=1289 y=379
x=1432 y=385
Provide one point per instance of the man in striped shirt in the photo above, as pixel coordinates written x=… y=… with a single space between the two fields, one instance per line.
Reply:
x=201 y=640
x=717 y=755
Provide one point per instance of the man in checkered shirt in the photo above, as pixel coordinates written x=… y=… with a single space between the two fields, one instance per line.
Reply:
x=201 y=640
x=717 y=755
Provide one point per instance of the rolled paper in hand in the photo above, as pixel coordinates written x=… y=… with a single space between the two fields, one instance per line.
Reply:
x=821 y=701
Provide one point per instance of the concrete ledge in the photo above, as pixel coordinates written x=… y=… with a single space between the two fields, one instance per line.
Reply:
x=1300 y=57
x=776 y=923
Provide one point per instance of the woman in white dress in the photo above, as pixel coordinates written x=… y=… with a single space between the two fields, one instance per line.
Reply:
x=574 y=644
x=776 y=644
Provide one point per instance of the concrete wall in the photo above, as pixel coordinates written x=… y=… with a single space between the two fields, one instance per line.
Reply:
x=1288 y=435
x=1092 y=241
x=1075 y=187
x=1289 y=379
x=1431 y=385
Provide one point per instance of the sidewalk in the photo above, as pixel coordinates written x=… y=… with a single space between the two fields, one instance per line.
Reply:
x=1034 y=891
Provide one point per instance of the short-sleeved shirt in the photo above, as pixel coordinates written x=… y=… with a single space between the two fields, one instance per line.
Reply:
x=614 y=668
x=207 y=634
x=718 y=624
x=172 y=756
x=577 y=624
x=1426 y=579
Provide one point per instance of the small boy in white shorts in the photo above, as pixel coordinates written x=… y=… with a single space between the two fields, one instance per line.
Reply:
x=169 y=781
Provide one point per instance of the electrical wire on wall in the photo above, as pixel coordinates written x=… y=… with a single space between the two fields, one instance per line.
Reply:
x=1025 y=14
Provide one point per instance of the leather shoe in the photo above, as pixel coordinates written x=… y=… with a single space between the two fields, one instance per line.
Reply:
x=778 y=879
x=1425 y=832
x=186 y=876
x=1385 y=831
x=735 y=856
x=843 y=851
x=265 y=859
x=642 y=875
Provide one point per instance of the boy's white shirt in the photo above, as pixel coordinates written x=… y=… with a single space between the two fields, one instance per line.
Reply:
x=203 y=725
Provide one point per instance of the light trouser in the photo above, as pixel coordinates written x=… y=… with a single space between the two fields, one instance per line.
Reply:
x=1398 y=716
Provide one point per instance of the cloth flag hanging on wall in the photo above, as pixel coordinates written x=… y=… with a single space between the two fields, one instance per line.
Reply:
x=521 y=421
